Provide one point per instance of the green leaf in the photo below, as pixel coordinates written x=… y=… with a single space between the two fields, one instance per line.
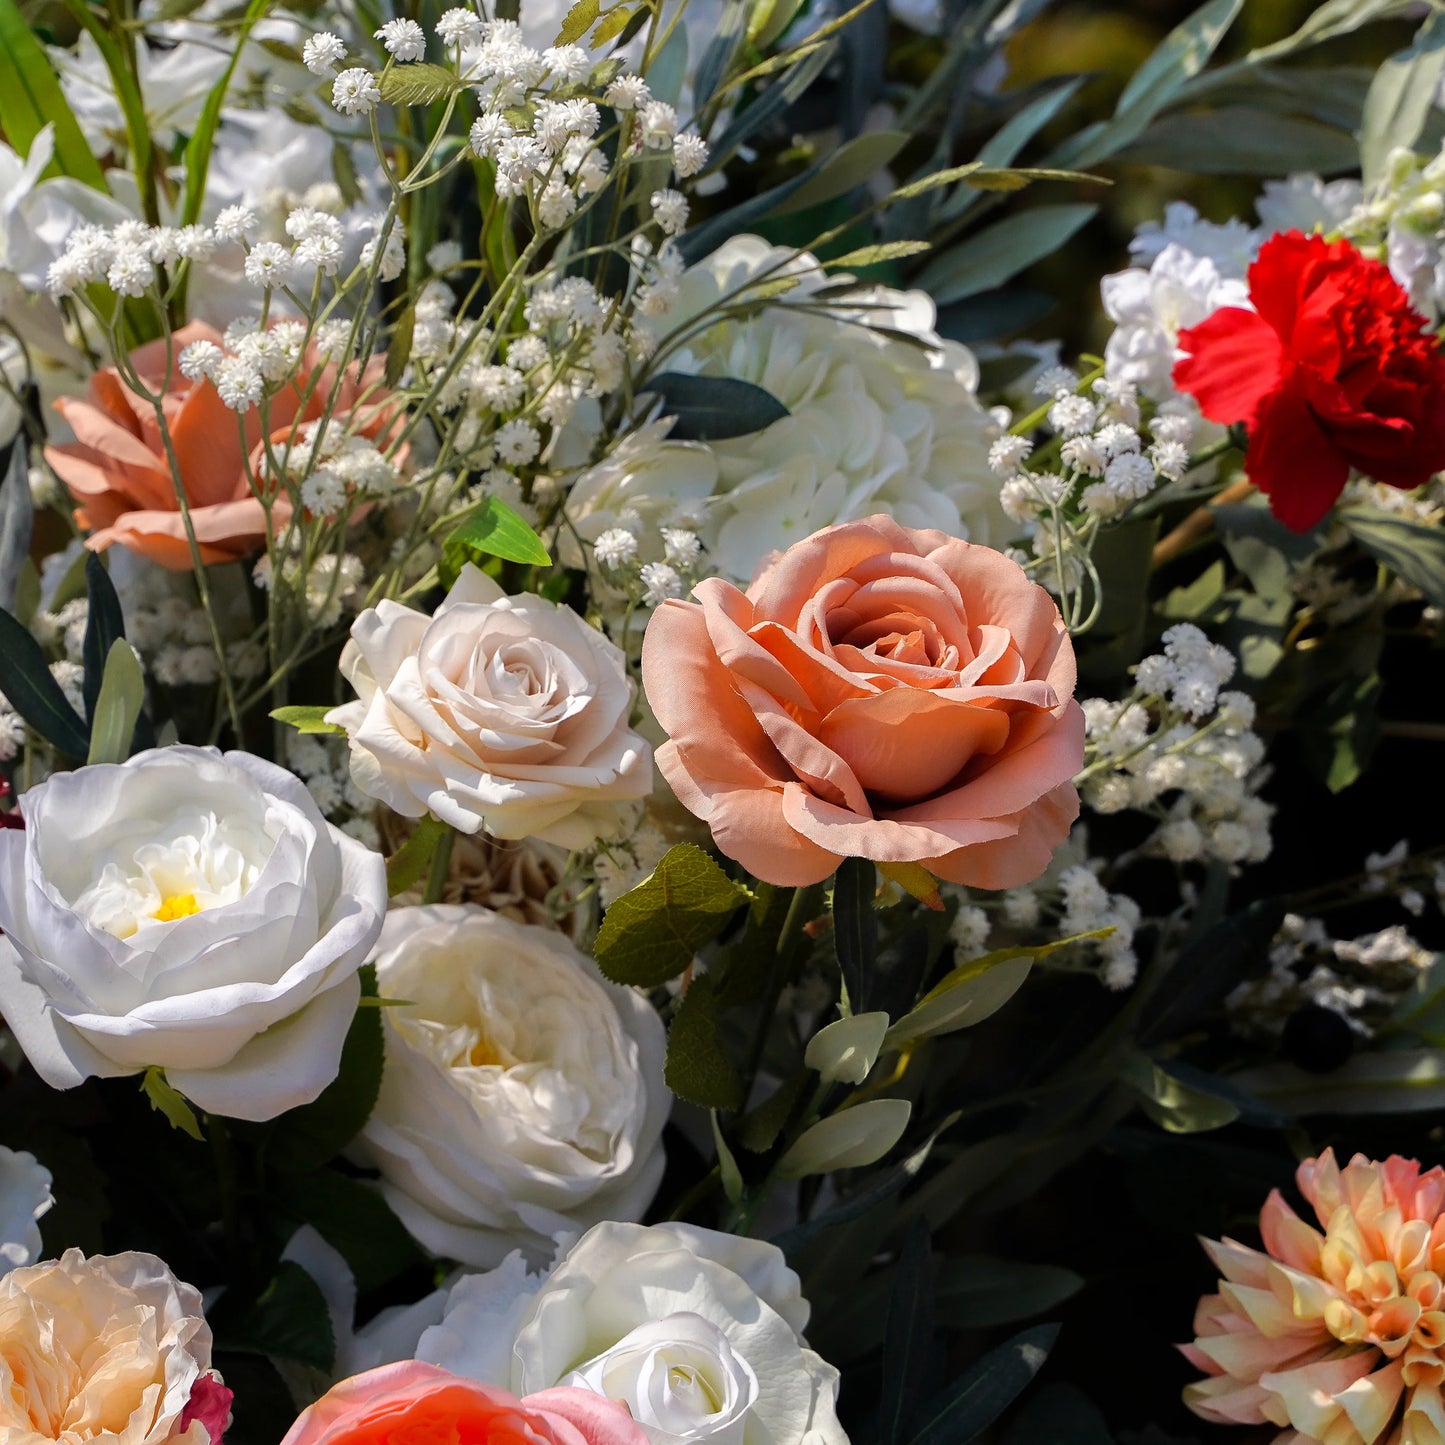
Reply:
x=203 y=138
x=124 y=84
x=728 y=1171
x=908 y=1342
x=307 y=719
x=288 y=1320
x=1401 y=97
x=990 y=257
x=398 y=351
x=855 y=929
x=979 y=1292
x=844 y=1051
x=178 y=1112
x=418 y=83
x=17 y=519
x=1397 y=1081
x=1413 y=552
x=308 y=1137
x=760 y=1127
x=578 y=21
x=852 y=164
x=770 y=105
x=1184 y=52
x=613 y=24
x=1058 y=1414
x=874 y=255
x=702 y=240
x=1003 y=146
x=652 y=932
x=699 y=1069
x=1015 y=178
x=935 y=180
x=850 y=1139
x=26 y=682
x=493 y=530
x=717 y=58
x=975 y=990
x=713 y=408
x=968 y=1407
x=357 y=1222
x=122 y=691
x=1326 y=22
x=104 y=625
x=1242 y=140
x=409 y=864
x=1195 y=598
x=31 y=99
x=1171 y=1103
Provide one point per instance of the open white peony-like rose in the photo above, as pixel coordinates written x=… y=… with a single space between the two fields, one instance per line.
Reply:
x=503 y=713
x=523 y=1094
x=111 y=1348
x=698 y=1333
x=191 y=911
x=24 y=1197
x=876 y=424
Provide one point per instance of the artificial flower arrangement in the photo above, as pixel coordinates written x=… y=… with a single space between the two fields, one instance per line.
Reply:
x=625 y=819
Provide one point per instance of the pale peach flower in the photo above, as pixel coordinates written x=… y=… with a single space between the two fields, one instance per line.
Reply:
x=119 y=475
x=110 y=1349
x=878 y=692
x=1336 y=1336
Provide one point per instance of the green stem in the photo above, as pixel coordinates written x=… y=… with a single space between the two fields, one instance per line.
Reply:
x=441 y=863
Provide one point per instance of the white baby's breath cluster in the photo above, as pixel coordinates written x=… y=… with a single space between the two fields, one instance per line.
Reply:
x=624 y=862
x=129 y=258
x=1183 y=751
x=321 y=763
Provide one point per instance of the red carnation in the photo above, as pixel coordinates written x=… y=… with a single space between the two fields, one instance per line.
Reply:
x=1331 y=370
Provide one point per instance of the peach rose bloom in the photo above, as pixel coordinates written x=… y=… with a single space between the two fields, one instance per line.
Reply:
x=111 y=1349
x=118 y=474
x=1338 y=1335
x=410 y=1402
x=878 y=692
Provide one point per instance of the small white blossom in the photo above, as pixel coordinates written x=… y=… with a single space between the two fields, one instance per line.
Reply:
x=627 y=92
x=459 y=27
x=269 y=264
x=1072 y=415
x=200 y=359
x=444 y=256
x=131 y=272
x=1083 y=454
x=689 y=154
x=1007 y=454
x=615 y=548
x=669 y=210
x=517 y=443
x=355 y=92
x=556 y=204
x=322 y=53
x=1171 y=459
x=1129 y=476
x=323 y=493
x=681 y=547
x=403 y=39
x=488 y=132
x=235 y=223
x=569 y=63
x=195 y=243
x=239 y=383
x=661 y=582
x=1055 y=381
x=659 y=125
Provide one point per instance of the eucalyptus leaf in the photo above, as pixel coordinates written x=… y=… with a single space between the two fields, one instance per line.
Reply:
x=769 y=106
x=717 y=58
x=855 y=929
x=1172 y=1103
x=849 y=167
x=713 y=408
x=1413 y=552
x=29 y=688
x=1401 y=97
x=967 y=1408
x=1395 y=1081
x=992 y=256
x=849 y=1139
x=1243 y=140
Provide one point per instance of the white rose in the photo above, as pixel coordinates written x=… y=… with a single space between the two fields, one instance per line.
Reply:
x=508 y=713
x=877 y=424
x=110 y=1348
x=24 y=1197
x=523 y=1094
x=698 y=1333
x=191 y=911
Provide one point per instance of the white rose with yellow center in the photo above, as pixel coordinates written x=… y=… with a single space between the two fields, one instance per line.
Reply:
x=698 y=1333
x=504 y=713
x=522 y=1095
x=191 y=911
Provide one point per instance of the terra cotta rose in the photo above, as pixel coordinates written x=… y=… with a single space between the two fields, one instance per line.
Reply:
x=119 y=474
x=877 y=692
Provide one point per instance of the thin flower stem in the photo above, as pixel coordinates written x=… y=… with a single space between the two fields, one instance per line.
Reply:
x=441 y=863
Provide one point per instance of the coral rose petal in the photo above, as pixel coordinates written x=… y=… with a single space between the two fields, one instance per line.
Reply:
x=1021 y=854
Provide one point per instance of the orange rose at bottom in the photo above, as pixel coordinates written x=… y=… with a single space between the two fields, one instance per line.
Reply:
x=415 y=1404
x=1335 y=1334
x=878 y=692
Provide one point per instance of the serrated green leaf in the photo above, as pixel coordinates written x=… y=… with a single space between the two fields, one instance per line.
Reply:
x=493 y=530
x=418 y=83
x=122 y=691
x=713 y=408
x=578 y=21
x=612 y=25
x=29 y=688
x=698 y=1067
x=307 y=719
x=651 y=933
x=164 y=1098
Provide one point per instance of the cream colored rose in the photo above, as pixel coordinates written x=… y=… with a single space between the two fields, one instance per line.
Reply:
x=110 y=1349
x=523 y=1094
x=503 y=713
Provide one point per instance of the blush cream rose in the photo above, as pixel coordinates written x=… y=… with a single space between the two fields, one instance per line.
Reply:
x=877 y=692
x=188 y=910
x=523 y=1094
x=108 y=1348
x=504 y=713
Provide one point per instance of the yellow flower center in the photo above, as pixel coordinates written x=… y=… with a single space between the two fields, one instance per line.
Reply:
x=178 y=905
